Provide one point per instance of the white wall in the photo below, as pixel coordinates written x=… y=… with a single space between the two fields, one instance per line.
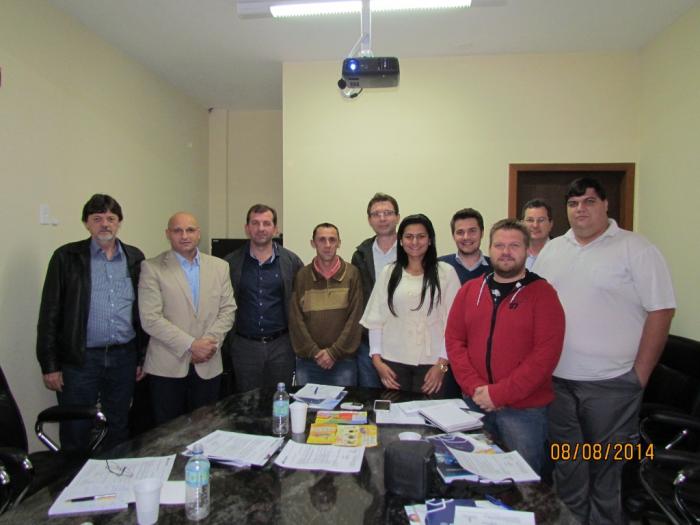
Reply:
x=245 y=167
x=669 y=184
x=444 y=138
x=78 y=117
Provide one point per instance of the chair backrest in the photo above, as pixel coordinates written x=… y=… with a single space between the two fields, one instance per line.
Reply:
x=12 y=432
x=675 y=381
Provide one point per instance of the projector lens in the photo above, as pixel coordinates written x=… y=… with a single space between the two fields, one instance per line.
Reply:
x=352 y=65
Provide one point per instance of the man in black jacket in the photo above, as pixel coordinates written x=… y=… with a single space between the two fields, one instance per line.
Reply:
x=262 y=273
x=89 y=339
x=370 y=257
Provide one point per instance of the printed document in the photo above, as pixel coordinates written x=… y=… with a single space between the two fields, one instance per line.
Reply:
x=109 y=482
x=238 y=449
x=496 y=467
x=331 y=458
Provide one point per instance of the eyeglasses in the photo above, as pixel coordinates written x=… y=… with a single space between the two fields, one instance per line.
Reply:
x=118 y=470
x=382 y=213
x=538 y=220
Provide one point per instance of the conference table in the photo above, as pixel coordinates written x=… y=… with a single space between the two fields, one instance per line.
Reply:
x=271 y=494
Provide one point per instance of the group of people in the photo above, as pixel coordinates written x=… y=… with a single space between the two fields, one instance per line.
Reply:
x=552 y=339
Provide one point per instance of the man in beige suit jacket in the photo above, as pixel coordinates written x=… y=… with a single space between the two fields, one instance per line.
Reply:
x=186 y=305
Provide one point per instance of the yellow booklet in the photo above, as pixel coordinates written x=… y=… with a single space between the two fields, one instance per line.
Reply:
x=343 y=435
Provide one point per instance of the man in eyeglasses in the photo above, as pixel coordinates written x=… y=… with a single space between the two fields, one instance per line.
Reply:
x=537 y=216
x=187 y=307
x=370 y=257
x=618 y=299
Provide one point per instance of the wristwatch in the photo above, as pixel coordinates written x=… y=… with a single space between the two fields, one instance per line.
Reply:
x=444 y=367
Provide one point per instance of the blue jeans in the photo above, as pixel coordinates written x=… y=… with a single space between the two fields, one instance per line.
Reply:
x=108 y=376
x=366 y=373
x=343 y=373
x=521 y=429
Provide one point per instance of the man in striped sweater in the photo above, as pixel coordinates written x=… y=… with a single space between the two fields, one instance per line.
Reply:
x=324 y=314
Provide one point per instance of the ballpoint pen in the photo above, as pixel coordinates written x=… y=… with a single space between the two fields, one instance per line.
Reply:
x=91 y=498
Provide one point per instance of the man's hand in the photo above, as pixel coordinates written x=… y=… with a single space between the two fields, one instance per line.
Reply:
x=433 y=380
x=482 y=398
x=386 y=374
x=324 y=359
x=54 y=381
x=203 y=349
x=140 y=374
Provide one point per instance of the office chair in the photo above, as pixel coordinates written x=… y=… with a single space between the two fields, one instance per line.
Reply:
x=674 y=388
x=672 y=477
x=4 y=488
x=30 y=472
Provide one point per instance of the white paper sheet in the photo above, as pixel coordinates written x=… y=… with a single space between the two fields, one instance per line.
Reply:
x=318 y=392
x=412 y=407
x=492 y=516
x=96 y=479
x=320 y=457
x=238 y=449
x=496 y=467
x=173 y=493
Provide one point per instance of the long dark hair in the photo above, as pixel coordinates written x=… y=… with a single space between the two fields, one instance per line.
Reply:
x=430 y=264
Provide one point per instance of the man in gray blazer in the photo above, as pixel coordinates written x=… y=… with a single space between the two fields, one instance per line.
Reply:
x=187 y=307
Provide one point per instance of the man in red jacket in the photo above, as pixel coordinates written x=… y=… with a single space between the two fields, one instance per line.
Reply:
x=504 y=336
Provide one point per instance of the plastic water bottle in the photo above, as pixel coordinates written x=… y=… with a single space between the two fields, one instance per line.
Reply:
x=197 y=503
x=280 y=411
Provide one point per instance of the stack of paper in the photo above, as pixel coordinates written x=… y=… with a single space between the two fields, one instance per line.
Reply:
x=238 y=450
x=408 y=413
x=320 y=457
x=320 y=397
x=105 y=485
x=465 y=512
x=447 y=465
x=449 y=418
x=496 y=467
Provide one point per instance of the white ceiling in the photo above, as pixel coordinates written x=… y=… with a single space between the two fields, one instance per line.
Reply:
x=205 y=50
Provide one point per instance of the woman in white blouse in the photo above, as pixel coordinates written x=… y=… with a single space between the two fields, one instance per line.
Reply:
x=407 y=312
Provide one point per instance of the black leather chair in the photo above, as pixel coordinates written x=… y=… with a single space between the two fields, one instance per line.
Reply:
x=672 y=477
x=4 y=488
x=673 y=393
x=31 y=472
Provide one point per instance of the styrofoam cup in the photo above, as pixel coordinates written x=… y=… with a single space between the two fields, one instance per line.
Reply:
x=147 y=495
x=297 y=410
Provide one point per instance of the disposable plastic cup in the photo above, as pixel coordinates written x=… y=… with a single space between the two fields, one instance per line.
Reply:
x=298 y=412
x=147 y=494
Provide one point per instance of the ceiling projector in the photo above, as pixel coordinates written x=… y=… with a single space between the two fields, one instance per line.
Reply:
x=370 y=72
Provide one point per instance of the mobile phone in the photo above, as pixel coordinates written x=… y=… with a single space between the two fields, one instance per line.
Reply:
x=382 y=404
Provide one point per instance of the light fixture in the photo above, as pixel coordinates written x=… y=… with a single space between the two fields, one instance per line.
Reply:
x=293 y=8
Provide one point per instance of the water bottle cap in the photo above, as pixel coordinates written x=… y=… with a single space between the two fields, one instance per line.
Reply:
x=280 y=386
x=197 y=449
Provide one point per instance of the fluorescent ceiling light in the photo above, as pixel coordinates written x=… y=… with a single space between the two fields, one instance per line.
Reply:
x=290 y=8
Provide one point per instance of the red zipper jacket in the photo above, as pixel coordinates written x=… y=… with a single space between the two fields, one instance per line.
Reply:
x=513 y=349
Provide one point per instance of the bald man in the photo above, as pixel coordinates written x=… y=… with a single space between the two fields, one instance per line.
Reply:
x=186 y=305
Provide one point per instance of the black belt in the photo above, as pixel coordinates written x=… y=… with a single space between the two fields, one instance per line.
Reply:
x=263 y=338
x=107 y=348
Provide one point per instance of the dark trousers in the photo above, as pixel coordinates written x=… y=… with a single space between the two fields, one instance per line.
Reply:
x=593 y=412
x=107 y=376
x=173 y=396
x=257 y=364
x=411 y=377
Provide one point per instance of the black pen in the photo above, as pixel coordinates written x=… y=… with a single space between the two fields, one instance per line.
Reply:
x=91 y=498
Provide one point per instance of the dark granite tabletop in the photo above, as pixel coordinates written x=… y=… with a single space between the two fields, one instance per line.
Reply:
x=275 y=495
